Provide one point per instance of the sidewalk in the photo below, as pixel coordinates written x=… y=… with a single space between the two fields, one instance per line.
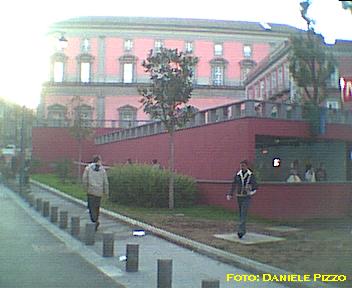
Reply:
x=31 y=257
x=189 y=267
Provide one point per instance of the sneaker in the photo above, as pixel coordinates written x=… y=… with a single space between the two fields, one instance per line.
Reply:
x=240 y=235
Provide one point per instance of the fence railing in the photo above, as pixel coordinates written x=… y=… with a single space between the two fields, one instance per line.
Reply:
x=247 y=108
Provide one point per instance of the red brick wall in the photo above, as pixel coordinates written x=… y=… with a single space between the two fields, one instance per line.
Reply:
x=54 y=144
x=213 y=152
x=209 y=152
x=282 y=201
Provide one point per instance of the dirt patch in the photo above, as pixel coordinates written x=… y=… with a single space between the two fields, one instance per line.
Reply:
x=323 y=247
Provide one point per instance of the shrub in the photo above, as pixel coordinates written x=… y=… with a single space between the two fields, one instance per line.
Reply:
x=63 y=169
x=145 y=186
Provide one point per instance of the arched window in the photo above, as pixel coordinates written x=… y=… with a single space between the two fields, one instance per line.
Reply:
x=83 y=115
x=127 y=116
x=56 y=115
x=218 y=66
x=246 y=66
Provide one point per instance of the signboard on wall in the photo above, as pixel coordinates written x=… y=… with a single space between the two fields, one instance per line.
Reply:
x=346 y=89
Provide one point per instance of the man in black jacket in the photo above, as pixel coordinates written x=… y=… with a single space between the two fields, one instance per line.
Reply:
x=245 y=185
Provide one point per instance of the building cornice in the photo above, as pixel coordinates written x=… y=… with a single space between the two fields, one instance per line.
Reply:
x=171 y=24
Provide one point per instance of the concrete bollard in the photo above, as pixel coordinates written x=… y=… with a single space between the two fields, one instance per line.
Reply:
x=210 y=283
x=75 y=226
x=132 y=251
x=90 y=234
x=46 y=209
x=164 y=273
x=108 y=245
x=39 y=204
x=54 y=214
x=63 y=219
x=31 y=200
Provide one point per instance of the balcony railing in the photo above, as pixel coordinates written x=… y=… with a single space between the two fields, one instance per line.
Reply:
x=90 y=123
x=247 y=108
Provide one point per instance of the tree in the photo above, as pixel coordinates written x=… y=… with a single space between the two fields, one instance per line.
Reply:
x=80 y=129
x=347 y=5
x=311 y=66
x=166 y=98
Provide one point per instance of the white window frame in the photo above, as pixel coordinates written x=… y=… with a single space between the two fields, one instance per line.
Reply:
x=58 y=71
x=261 y=89
x=189 y=47
x=247 y=51
x=218 y=49
x=127 y=116
x=279 y=76
x=267 y=85
x=128 y=73
x=128 y=45
x=334 y=78
x=273 y=80
x=158 y=44
x=218 y=75
x=332 y=104
x=85 y=72
x=256 y=91
x=287 y=74
x=85 y=45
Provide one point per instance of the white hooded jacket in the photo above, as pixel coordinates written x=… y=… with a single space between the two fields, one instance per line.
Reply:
x=95 y=182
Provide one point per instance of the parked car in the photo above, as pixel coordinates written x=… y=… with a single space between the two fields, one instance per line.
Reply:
x=9 y=150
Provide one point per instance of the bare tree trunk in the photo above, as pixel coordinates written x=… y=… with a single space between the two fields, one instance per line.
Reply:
x=172 y=169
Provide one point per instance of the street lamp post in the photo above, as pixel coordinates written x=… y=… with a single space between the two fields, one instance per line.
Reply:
x=21 y=178
x=63 y=43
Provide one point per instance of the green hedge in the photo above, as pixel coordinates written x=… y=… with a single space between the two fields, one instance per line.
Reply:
x=145 y=186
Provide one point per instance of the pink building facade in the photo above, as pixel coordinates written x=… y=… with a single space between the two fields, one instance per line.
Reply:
x=101 y=66
x=271 y=80
x=102 y=63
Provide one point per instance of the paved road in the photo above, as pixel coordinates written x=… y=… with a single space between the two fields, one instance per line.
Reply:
x=31 y=257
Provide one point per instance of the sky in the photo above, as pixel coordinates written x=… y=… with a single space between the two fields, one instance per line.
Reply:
x=25 y=56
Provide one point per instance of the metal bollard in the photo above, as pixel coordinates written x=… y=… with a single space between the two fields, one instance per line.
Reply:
x=46 y=209
x=75 y=226
x=132 y=257
x=108 y=245
x=63 y=219
x=54 y=214
x=164 y=273
x=90 y=234
x=210 y=283
x=39 y=205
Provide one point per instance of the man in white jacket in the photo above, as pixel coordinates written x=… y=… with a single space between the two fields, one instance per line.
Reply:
x=96 y=184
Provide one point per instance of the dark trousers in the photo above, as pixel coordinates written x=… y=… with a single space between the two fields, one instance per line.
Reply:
x=94 y=207
x=243 y=205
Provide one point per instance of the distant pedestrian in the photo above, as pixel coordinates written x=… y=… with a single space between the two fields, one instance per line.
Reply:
x=320 y=174
x=96 y=183
x=129 y=161
x=293 y=178
x=245 y=186
x=155 y=164
x=309 y=175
